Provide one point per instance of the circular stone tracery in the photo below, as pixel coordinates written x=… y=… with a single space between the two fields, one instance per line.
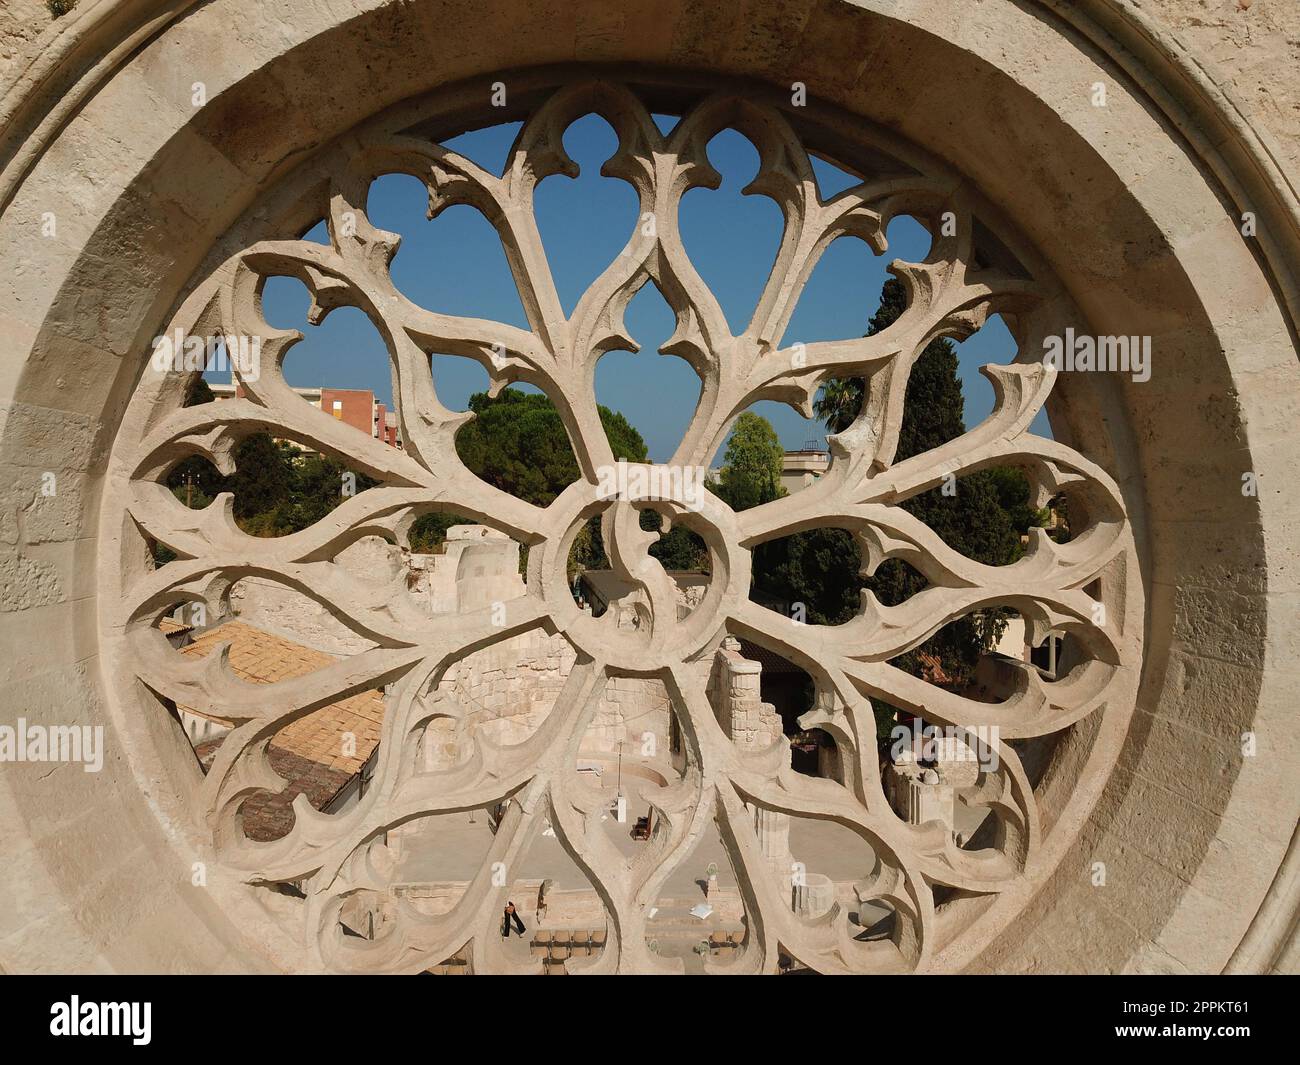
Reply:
x=1085 y=588
x=659 y=639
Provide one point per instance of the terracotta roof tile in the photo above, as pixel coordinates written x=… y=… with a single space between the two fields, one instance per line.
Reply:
x=262 y=657
x=268 y=815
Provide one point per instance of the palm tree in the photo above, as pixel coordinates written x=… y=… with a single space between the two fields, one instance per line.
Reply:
x=838 y=402
x=840 y=399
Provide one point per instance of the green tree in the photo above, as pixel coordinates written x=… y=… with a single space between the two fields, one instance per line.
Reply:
x=518 y=443
x=682 y=549
x=195 y=478
x=838 y=402
x=317 y=486
x=840 y=398
x=983 y=520
x=1015 y=497
x=751 y=464
x=679 y=549
x=817 y=568
x=262 y=481
x=430 y=530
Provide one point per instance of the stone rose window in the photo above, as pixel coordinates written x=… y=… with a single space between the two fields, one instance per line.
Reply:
x=938 y=889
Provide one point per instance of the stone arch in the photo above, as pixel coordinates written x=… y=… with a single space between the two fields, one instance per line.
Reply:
x=1135 y=207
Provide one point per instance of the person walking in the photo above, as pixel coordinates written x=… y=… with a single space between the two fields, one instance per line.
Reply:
x=511 y=915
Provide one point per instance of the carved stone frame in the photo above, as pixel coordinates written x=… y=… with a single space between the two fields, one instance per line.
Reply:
x=966 y=276
x=1135 y=207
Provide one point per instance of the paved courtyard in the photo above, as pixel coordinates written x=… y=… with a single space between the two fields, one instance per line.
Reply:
x=452 y=847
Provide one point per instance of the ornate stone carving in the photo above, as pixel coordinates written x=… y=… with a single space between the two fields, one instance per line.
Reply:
x=1078 y=588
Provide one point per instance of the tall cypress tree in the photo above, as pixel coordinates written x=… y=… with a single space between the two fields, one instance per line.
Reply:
x=195 y=478
x=820 y=567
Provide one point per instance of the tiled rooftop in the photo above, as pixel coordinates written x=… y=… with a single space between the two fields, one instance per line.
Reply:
x=269 y=815
x=264 y=658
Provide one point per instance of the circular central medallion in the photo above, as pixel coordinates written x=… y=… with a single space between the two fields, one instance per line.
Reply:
x=649 y=625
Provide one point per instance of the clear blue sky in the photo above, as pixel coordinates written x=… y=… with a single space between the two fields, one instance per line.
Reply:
x=455 y=264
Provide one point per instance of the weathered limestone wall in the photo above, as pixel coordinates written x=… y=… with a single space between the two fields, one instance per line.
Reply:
x=477 y=568
x=506 y=690
x=272 y=607
x=1251 y=48
x=509 y=689
x=21 y=22
x=734 y=692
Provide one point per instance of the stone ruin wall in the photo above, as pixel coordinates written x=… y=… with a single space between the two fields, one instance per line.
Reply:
x=506 y=690
x=734 y=691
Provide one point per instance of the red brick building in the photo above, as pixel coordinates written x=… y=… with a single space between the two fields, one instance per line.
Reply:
x=352 y=405
x=355 y=406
